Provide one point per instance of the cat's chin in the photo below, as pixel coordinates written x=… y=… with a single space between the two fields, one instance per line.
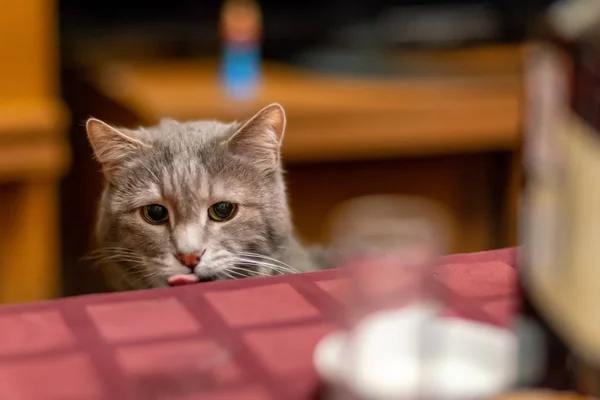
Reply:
x=188 y=279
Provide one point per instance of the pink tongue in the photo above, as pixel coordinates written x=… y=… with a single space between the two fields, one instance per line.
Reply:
x=178 y=280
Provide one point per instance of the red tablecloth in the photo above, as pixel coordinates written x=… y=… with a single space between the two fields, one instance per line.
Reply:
x=244 y=339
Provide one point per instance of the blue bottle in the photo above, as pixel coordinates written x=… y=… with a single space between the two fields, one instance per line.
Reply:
x=240 y=63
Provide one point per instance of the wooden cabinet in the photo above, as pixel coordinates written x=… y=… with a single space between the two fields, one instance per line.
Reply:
x=34 y=152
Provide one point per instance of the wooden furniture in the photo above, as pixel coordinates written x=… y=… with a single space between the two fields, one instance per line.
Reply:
x=460 y=107
x=447 y=133
x=33 y=151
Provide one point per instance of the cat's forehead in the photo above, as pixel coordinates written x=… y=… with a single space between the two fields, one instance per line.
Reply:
x=189 y=150
x=189 y=158
x=173 y=133
x=186 y=145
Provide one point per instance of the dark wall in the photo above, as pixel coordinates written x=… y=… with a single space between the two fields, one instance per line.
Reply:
x=290 y=26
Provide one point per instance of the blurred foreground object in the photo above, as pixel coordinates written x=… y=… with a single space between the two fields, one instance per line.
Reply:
x=388 y=244
x=541 y=395
x=560 y=271
x=33 y=151
x=398 y=343
x=241 y=27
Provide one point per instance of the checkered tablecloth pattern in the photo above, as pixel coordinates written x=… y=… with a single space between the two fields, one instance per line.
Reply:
x=245 y=339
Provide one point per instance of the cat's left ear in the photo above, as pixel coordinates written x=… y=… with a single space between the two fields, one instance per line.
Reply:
x=259 y=139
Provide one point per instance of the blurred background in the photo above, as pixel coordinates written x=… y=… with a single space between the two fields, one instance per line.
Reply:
x=383 y=96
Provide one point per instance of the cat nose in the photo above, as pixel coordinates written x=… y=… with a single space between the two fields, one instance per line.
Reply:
x=189 y=260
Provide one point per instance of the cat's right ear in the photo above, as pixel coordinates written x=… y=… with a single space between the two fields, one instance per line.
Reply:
x=111 y=146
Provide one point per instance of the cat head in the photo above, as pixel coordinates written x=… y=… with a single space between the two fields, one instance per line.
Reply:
x=191 y=201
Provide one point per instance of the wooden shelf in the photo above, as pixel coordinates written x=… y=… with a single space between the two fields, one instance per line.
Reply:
x=463 y=109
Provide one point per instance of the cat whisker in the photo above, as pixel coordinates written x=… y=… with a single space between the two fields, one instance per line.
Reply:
x=240 y=273
x=124 y=264
x=108 y=250
x=258 y=255
x=227 y=274
x=248 y=274
x=273 y=260
x=121 y=257
x=270 y=267
x=112 y=252
x=104 y=248
x=268 y=270
x=269 y=260
x=117 y=258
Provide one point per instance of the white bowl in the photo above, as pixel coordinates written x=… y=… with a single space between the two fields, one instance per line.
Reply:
x=383 y=358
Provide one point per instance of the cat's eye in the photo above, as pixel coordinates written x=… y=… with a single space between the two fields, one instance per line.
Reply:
x=222 y=211
x=155 y=214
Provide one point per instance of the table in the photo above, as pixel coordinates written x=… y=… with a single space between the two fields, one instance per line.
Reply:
x=169 y=343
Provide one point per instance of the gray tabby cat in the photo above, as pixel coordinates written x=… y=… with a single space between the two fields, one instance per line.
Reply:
x=195 y=201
